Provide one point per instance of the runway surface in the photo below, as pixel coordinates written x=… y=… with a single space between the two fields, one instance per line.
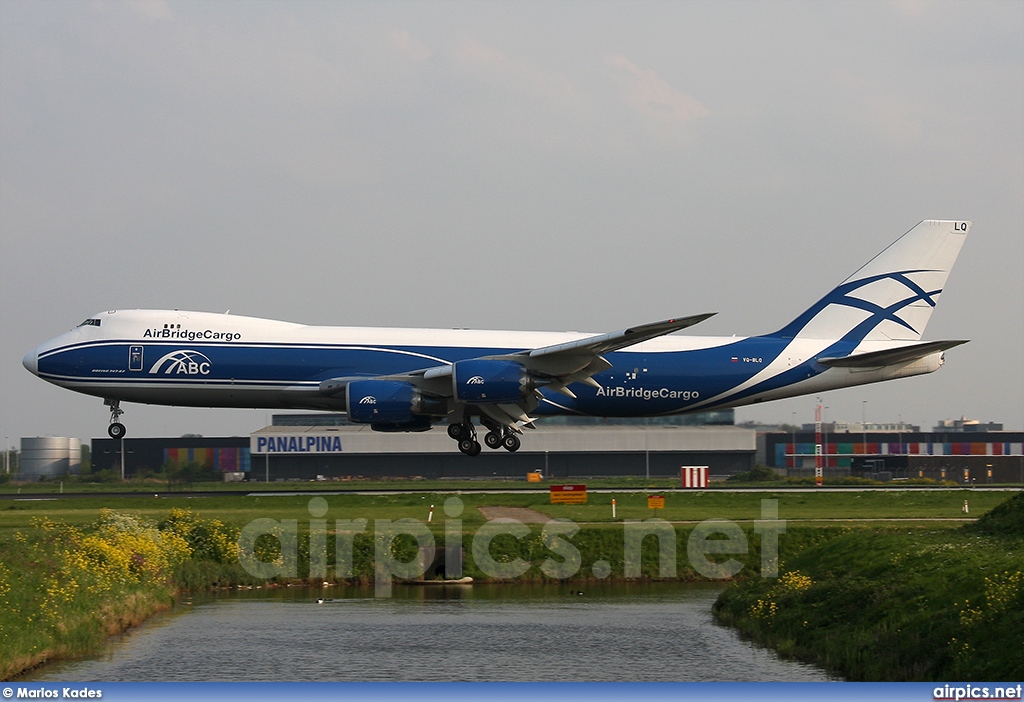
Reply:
x=27 y=496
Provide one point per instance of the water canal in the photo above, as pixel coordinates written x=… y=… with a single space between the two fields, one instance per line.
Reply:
x=622 y=632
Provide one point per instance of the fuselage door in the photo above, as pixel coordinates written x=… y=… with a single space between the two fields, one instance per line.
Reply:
x=134 y=358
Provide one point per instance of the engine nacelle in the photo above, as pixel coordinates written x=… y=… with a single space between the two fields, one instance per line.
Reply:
x=421 y=423
x=489 y=381
x=382 y=401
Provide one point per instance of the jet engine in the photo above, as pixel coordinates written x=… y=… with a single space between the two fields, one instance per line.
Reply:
x=390 y=402
x=484 y=381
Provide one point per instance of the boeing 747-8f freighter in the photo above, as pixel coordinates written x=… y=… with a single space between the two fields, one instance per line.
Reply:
x=866 y=330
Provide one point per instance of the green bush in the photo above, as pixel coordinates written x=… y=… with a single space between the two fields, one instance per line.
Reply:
x=101 y=476
x=208 y=539
x=759 y=474
x=1006 y=519
x=892 y=604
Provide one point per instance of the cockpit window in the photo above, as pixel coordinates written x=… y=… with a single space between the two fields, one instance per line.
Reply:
x=90 y=323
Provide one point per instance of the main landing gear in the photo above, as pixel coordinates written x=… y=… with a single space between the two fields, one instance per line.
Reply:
x=498 y=436
x=465 y=434
x=116 y=430
x=506 y=440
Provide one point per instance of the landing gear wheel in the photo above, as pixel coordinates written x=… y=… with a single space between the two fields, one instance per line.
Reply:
x=456 y=431
x=511 y=443
x=116 y=430
x=492 y=439
x=469 y=447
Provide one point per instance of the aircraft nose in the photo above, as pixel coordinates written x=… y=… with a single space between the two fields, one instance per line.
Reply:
x=31 y=361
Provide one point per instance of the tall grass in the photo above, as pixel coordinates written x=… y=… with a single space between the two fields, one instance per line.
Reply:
x=64 y=590
x=892 y=604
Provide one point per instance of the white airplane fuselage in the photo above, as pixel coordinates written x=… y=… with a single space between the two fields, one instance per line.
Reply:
x=866 y=330
x=201 y=359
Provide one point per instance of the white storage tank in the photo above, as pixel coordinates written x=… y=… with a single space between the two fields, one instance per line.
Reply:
x=74 y=456
x=49 y=456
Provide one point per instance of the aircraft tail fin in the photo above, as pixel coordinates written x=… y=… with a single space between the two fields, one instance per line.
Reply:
x=892 y=297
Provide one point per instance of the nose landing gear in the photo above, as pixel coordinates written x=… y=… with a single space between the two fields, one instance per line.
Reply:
x=116 y=430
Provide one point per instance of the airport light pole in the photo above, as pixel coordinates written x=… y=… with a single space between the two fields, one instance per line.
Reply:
x=819 y=473
x=824 y=430
x=7 y=456
x=647 y=453
x=864 y=426
x=793 y=424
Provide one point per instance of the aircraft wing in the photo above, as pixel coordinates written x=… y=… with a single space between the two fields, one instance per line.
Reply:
x=554 y=367
x=603 y=343
x=575 y=361
x=888 y=357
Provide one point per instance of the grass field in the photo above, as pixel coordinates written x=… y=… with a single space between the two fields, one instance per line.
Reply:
x=76 y=485
x=87 y=566
x=827 y=507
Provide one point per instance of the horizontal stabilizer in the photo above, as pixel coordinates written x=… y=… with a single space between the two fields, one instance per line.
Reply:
x=888 y=357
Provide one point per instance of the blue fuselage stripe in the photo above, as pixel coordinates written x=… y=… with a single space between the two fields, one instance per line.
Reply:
x=638 y=383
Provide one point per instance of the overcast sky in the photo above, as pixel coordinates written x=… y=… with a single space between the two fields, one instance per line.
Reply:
x=510 y=165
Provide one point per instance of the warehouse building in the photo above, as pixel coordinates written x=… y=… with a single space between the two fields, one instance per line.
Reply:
x=973 y=458
x=561 y=452
x=352 y=452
